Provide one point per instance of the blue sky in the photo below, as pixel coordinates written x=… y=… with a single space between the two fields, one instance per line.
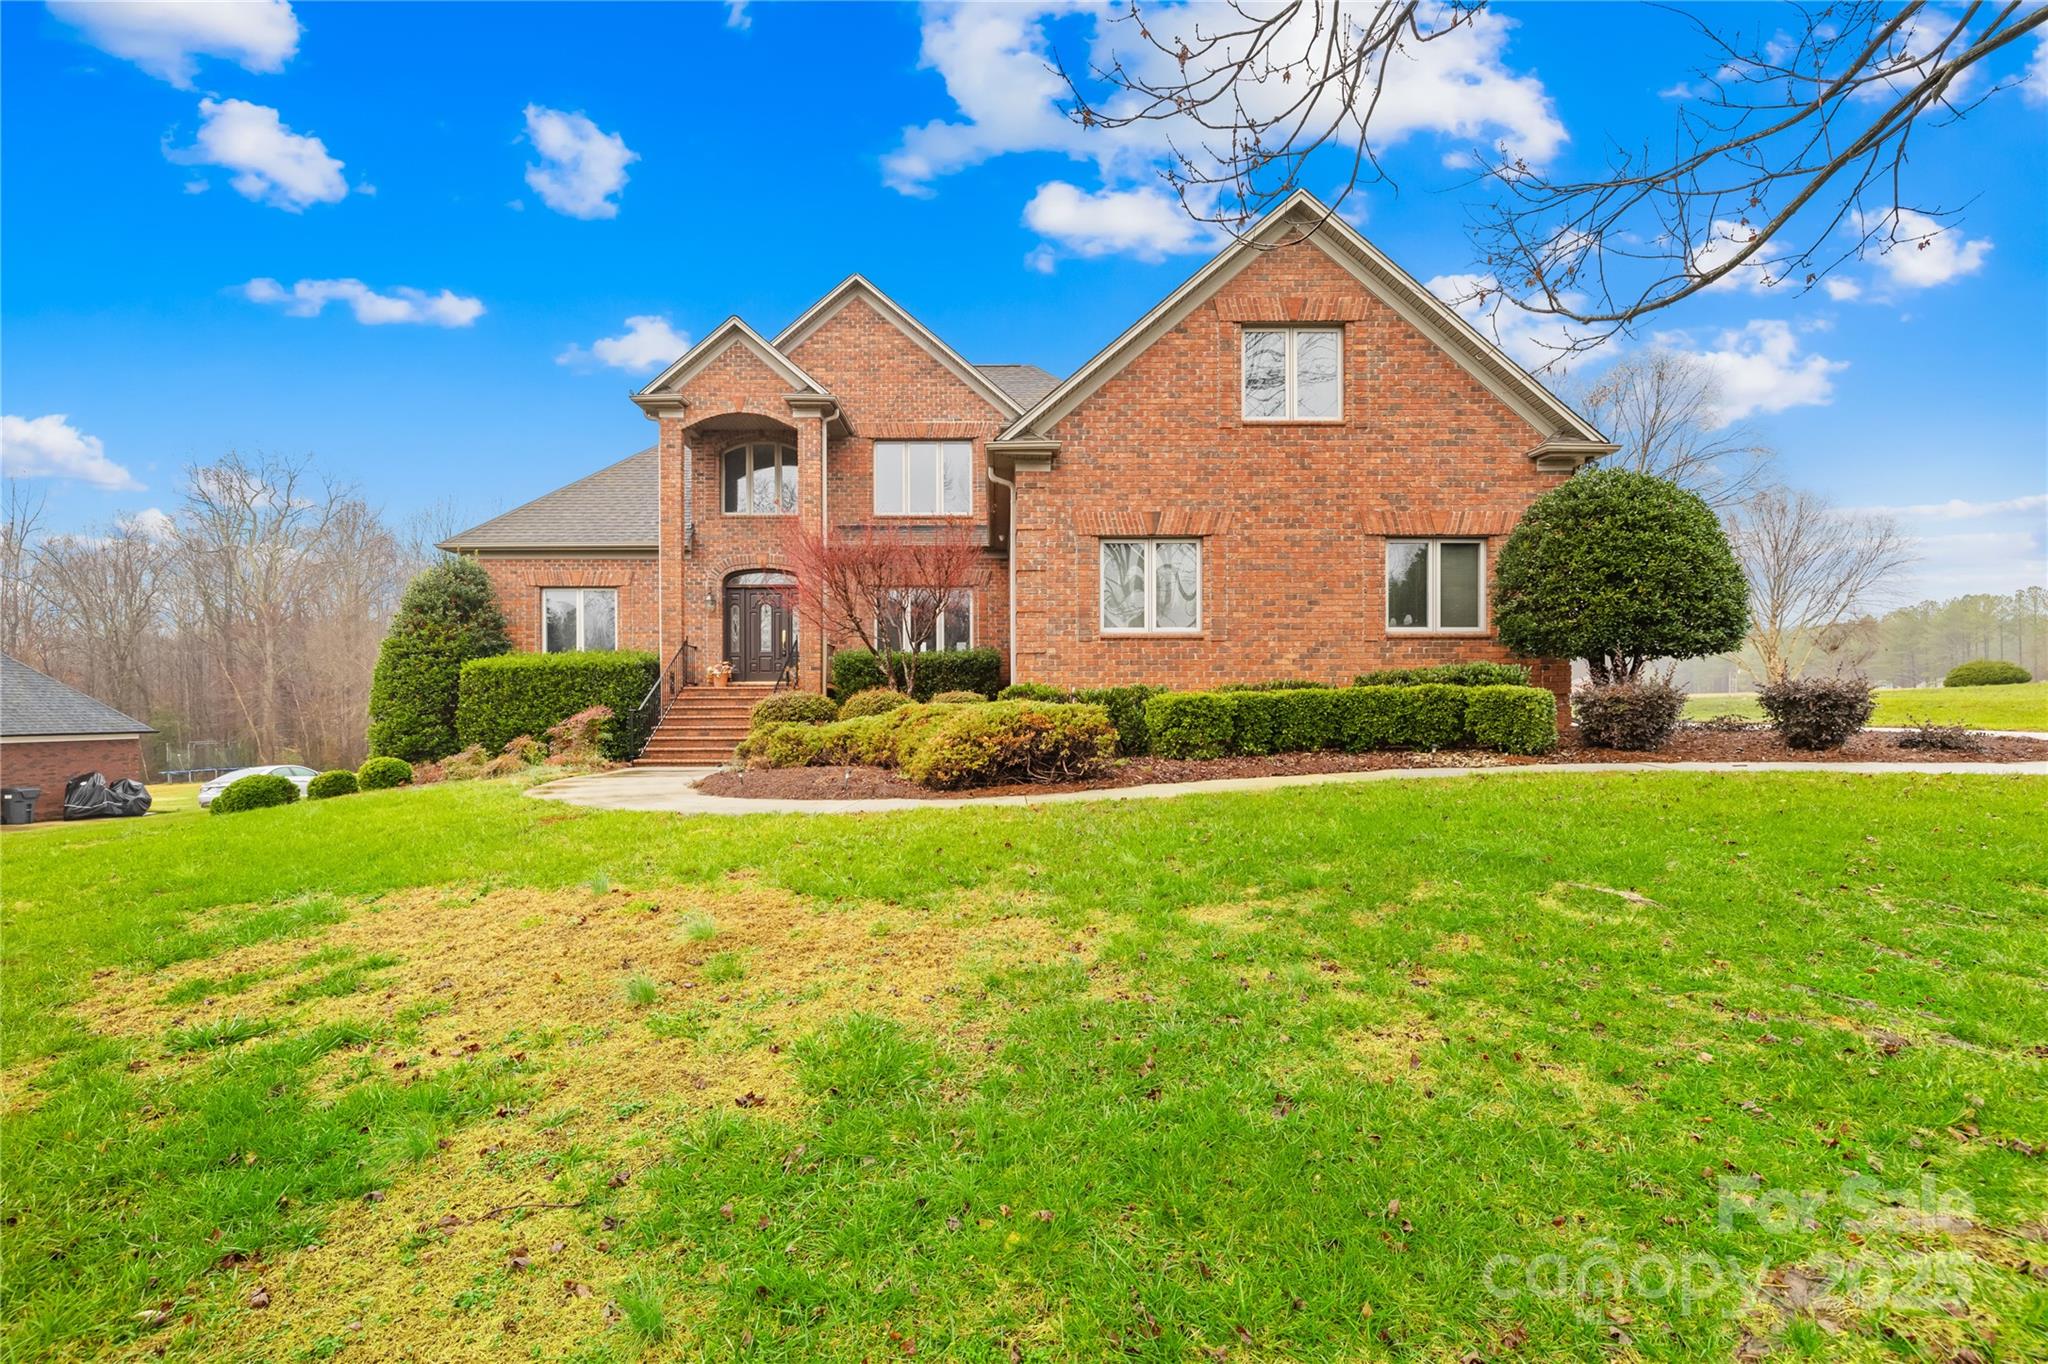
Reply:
x=506 y=186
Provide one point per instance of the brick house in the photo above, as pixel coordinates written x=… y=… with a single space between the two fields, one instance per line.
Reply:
x=1299 y=464
x=50 y=732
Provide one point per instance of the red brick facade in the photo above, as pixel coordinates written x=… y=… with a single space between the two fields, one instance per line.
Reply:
x=50 y=763
x=1294 y=518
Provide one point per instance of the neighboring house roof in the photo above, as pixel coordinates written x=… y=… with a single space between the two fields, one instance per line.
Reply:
x=34 y=704
x=857 y=286
x=618 y=507
x=1563 y=430
x=1025 y=383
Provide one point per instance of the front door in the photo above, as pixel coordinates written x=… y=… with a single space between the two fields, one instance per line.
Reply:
x=757 y=632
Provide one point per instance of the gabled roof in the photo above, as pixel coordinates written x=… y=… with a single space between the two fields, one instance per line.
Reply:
x=616 y=508
x=33 y=704
x=1025 y=383
x=857 y=286
x=730 y=332
x=1385 y=280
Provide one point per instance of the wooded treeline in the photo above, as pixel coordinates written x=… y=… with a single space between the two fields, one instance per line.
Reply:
x=243 y=623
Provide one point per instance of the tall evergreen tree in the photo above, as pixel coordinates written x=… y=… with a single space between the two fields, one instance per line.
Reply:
x=448 y=616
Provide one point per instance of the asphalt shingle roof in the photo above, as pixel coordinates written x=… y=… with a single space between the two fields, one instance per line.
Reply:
x=618 y=507
x=34 y=703
x=1025 y=383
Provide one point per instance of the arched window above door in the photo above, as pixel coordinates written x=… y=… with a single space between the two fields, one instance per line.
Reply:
x=759 y=480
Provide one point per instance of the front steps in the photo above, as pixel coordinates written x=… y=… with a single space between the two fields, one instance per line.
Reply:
x=703 y=726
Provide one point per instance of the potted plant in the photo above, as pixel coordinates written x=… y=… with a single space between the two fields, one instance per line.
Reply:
x=719 y=674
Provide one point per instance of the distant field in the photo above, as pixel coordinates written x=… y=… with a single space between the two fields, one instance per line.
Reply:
x=2022 y=707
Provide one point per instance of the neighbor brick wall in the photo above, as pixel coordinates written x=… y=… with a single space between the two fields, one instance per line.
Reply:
x=1293 y=517
x=50 y=765
x=519 y=579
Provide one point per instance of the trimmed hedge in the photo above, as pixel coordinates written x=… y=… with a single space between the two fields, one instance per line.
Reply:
x=873 y=701
x=1449 y=674
x=975 y=670
x=1126 y=707
x=1012 y=741
x=794 y=707
x=339 y=782
x=1352 y=719
x=1986 y=672
x=1032 y=691
x=1818 y=712
x=259 y=791
x=515 y=694
x=883 y=740
x=380 y=774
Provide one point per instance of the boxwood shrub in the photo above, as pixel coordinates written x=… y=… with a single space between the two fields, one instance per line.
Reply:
x=1012 y=741
x=975 y=670
x=258 y=791
x=1192 y=724
x=1032 y=691
x=339 y=782
x=1352 y=719
x=1986 y=672
x=883 y=740
x=795 y=707
x=1449 y=674
x=873 y=701
x=380 y=774
x=1126 y=707
x=515 y=694
x=958 y=698
x=1512 y=719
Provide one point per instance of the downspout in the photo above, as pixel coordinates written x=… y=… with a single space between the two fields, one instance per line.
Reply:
x=1010 y=524
x=824 y=533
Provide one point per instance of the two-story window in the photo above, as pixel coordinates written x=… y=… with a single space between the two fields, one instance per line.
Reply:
x=1435 y=585
x=579 y=618
x=1293 y=374
x=924 y=478
x=760 y=480
x=1151 y=586
x=952 y=626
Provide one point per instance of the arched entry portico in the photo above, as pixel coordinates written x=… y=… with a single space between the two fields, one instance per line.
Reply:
x=759 y=630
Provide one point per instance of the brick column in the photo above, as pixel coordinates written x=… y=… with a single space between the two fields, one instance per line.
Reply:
x=810 y=464
x=674 y=618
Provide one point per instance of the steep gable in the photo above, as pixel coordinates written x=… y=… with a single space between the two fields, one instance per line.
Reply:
x=857 y=336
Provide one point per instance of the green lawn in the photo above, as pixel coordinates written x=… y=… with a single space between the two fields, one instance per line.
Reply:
x=2024 y=706
x=1386 y=1071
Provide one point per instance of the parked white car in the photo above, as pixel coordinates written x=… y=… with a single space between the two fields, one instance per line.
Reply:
x=299 y=775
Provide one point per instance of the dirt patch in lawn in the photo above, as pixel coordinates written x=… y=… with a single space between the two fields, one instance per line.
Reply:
x=1691 y=744
x=621 y=1012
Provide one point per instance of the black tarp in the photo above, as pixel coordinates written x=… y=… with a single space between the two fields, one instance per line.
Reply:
x=88 y=796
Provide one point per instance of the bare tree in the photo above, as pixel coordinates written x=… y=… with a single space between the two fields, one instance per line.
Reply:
x=1789 y=155
x=106 y=591
x=884 y=586
x=1663 y=408
x=1814 y=573
x=22 y=609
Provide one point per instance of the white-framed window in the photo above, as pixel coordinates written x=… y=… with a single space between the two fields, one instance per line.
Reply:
x=575 y=618
x=924 y=478
x=760 y=480
x=953 y=628
x=1293 y=374
x=1151 y=586
x=1436 y=585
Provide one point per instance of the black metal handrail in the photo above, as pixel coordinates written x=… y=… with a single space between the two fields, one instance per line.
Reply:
x=680 y=672
x=786 y=671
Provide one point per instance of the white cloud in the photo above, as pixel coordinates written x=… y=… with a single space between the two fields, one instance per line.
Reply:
x=151 y=523
x=1535 y=341
x=1909 y=56
x=736 y=15
x=1842 y=290
x=996 y=63
x=2034 y=86
x=1146 y=223
x=163 y=36
x=582 y=166
x=1918 y=252
x=51 y=447
x=309 y=297
x=1759 y=368
x=271 y=163
x=648 y=343
x=1724 y=239
x=1958 y=509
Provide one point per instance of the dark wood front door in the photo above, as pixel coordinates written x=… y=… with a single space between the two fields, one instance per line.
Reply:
x=757 y=632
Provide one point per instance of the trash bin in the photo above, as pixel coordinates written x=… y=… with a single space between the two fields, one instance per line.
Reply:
x=18 y=804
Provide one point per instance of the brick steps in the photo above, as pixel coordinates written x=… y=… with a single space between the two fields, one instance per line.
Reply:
x=703 y=726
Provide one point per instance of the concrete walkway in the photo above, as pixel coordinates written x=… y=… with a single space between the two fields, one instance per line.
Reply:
x=673 y=789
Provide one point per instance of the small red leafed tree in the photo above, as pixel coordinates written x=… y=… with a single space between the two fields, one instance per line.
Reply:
x=886 y=587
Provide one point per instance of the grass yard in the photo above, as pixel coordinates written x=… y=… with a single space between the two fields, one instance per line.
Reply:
x=2023 y=706
x=1661 y=1067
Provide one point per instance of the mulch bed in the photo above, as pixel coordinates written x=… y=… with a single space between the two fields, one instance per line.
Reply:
x=1692 y=744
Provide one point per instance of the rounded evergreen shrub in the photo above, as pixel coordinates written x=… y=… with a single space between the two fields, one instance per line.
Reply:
x=1986 y=672
x=1032 y=691
x=1818 y=712
x=259 y=791
x=1512 y=719
x=958 y=698
x=1012 y=741
x=1619 y=568
x=795 y=707
x=1640 y=716
x=447 y=616
x=339 y=782
x=873 y=701
x=782 y=743
x=379 y=774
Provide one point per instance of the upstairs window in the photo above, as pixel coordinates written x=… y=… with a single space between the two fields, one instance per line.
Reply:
x=760 y=480
x=953 y=628
x=1293 y=374
x=924 y=478
x=1435 y=584
x=1151 y=586
x=579 y=618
